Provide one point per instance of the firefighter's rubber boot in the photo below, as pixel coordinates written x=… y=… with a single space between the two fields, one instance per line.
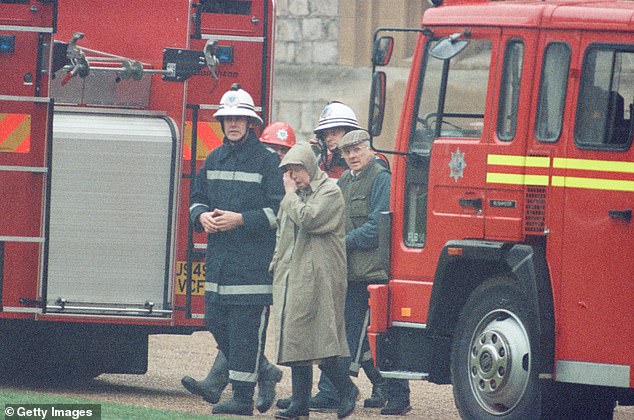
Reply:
x=283 y=403
x=241 y=403
x=323 y=404
x=377 y=399
x=212 y=386
x=302 y=381
x=379 y=394
x=268 y=377
x=337 y=372
x=396 y=407
x=398 y=402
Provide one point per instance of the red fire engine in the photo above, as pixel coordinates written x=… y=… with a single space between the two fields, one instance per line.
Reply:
x=510 y=241
x=105 y=115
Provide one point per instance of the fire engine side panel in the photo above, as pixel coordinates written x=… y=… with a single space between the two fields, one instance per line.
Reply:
x=32 y=13
x=128 y=30
x=21 y=150
x=596 y=302
x=24 y=108
x=139 y=31
x=21 y=78
x=241 y=39
x=245 y=69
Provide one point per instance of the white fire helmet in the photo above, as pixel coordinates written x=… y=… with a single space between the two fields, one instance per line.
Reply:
x=236 y=102
x=336 y=114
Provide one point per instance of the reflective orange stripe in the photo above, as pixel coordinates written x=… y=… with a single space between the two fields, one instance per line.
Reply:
x=209 y=137
x=15 y=133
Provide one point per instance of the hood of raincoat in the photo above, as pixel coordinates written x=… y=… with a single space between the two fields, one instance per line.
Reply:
x=302 y=154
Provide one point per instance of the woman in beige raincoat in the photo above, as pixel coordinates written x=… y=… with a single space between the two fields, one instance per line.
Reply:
x=309 y=282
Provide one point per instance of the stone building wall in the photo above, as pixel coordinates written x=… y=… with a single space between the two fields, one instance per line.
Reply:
x=306 y=58
x=322 y=53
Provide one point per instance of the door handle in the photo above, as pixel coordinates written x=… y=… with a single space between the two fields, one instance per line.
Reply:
x=621 y=214
x=471 y=202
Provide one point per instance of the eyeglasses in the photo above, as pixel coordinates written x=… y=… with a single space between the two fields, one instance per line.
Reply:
x=356 y=149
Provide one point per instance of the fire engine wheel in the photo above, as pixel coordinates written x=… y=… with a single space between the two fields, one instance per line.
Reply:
x=493 y=364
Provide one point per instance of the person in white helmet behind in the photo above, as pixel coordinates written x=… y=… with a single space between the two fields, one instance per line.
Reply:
x=234 y=199
x=335 y=120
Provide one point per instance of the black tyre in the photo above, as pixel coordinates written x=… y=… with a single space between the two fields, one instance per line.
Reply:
x=493 y=358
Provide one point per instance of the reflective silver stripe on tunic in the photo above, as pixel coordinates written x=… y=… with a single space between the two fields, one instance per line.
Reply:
x=270 y=216
x=193 y=206
x=235 y=176
x=256 y=289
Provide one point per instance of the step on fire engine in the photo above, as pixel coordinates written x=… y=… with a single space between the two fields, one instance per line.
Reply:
x=105 y=115
x=510 y=241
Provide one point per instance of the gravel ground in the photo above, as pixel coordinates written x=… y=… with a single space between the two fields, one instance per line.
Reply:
x=171 y=357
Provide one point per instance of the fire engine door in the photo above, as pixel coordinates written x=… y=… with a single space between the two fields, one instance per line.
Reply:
x=452 y=112
x=111 y=213
x=597 y=175
x=444 y=171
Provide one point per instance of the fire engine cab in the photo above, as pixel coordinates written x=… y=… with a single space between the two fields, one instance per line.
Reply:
x=510 y=240
x=105 y=115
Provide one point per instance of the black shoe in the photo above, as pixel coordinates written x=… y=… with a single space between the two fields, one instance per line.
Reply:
x=321 y=403
x=267 y=380
x=294 y=412
x=209 y=394
x=235 y=407
x=348 y=402
x=377 y=400
x=396 y=408
x=283 y=403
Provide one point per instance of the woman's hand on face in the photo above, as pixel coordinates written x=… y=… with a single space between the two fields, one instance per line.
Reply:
x=289 y=185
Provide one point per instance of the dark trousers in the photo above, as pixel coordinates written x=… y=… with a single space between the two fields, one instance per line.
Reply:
x=356 y=315
x=240 y=332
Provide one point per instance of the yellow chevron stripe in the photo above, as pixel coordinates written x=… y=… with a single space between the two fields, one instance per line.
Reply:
x=594 y=165
x=593 y=183
x=516 y=179
x=523 y=161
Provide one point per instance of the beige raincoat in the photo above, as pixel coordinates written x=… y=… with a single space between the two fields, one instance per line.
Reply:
x=309 y=268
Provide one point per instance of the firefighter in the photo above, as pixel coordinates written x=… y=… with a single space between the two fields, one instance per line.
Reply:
x=309 y=286
x=335 y=120
x=234 y=199
x=279 y=136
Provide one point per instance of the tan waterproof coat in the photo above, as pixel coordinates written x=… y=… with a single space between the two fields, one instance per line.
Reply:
x=309 y=268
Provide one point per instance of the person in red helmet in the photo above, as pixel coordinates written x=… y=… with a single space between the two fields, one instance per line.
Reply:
x=278 y=136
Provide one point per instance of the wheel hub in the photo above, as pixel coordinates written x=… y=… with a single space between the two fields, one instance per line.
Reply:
x=485 y=361
x=497 y=365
